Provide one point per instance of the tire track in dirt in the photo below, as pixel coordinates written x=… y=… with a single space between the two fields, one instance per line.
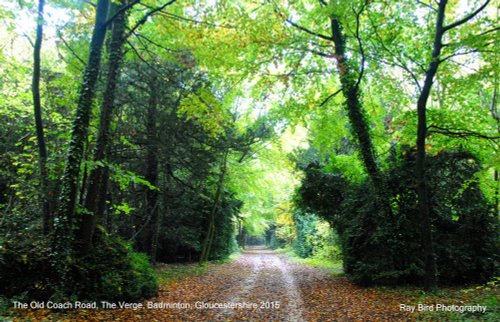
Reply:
x=268 y=283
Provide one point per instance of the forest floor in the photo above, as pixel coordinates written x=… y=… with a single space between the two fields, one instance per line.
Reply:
x=268 y=286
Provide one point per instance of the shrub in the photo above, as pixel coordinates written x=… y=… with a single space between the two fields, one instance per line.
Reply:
x=111 y=271
x=24 y=267
x=385 y=248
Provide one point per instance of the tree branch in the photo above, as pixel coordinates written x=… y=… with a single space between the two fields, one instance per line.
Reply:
x=59 y=35
x=361 y=50
x=156 y=44
x=427 y=5
x=472 y=51
x=330 y=97
x=90 y=3
x=180 y=18
x=29 y=39
x=460 y=133
x=144 y=60
x=399 y=62
x=316 y=52
x=147 y=15
x=466 y=18
x=120 y=11
x=309 y=31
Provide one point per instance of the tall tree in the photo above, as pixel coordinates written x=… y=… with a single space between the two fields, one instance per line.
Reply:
x=98 y=176
x=151 y=173
x=350 y=80
x=351 y=91
x=42 y=149
x=430 y=280
x=62 y=248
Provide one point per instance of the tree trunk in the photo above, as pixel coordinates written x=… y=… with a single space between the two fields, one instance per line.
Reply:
x=496 y=117
x=351 y=92
x=97 y=179
x=42 y=150
x=207 y=244
x=151 y=174
x=430 y=280
x=497 y=188
x=62 y=248
x=360 y=129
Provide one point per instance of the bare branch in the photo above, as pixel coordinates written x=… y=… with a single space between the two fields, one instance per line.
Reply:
x=402 y=66
x=493 y=108
x=413 y=60
x=180 y=18
x=316 y=52
x=488 y=31
x=471 y=36
x=466 y=18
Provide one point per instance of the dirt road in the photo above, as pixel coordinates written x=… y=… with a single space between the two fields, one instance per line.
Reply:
x=264 y=285
x=261 y=285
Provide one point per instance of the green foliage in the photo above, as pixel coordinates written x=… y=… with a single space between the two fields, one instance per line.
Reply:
x=316 y=243
x=306 y=230
x=235 y=82
x=24 y=268
x=206 y=110
x=484 y=295
x=224 y=243
x=333 y=265
x=112 y=271
x=385 y=249
x=142 y=283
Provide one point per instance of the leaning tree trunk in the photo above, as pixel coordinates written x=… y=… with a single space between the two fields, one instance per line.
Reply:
x=207 y=244
x=42 y=150
x=351 y=92
x=97 y=186
x=62 y=248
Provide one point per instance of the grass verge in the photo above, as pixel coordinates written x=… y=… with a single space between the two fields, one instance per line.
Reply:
x=334 y=266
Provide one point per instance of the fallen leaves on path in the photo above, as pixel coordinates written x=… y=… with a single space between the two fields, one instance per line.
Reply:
x=268 y=286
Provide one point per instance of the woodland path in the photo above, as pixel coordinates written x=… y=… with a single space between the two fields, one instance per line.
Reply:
x=263 y=277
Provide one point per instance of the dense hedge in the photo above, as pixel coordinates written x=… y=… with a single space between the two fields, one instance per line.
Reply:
x=111 y=271
x=385 y=248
